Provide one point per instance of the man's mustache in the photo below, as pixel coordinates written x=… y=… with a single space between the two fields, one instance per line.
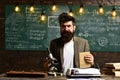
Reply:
x=65 y=32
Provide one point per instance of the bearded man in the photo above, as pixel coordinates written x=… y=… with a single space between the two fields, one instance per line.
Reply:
x=66 y=49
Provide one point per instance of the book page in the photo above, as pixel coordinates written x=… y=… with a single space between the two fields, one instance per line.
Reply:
x=117 y=73
x=117 y=66
x=83 y=63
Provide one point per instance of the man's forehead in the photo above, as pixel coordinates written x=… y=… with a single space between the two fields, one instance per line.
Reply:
x=67 y=23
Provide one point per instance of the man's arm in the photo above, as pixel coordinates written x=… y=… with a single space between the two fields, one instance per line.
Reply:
x=88 y=58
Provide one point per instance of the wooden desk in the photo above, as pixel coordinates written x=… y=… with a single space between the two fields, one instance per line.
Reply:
x=108 y=77
x=3 y=77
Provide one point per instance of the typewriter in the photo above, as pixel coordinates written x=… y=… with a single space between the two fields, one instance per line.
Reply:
x=83 y=73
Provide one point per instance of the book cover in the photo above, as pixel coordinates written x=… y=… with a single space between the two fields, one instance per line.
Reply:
x=83 y=63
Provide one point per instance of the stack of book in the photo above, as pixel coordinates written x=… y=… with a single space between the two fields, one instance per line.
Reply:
x=111 y=69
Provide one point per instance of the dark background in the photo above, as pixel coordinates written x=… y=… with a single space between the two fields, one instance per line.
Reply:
x=28 y=60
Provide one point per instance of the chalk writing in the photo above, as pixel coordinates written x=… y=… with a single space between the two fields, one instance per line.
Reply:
x=24 y=31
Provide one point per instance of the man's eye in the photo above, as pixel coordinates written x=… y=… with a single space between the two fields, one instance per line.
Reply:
x=68 y=25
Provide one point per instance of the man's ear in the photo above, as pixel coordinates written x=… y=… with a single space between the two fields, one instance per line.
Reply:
x=74 y=27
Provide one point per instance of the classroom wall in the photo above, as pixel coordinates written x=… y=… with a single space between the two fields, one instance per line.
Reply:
x=34 y=60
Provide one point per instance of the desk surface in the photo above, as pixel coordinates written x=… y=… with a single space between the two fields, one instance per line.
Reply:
x=2 y=77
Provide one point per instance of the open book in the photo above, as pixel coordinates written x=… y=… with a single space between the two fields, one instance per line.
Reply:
x=83 y=72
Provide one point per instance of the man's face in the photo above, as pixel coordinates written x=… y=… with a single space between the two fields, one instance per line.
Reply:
x=67 y=31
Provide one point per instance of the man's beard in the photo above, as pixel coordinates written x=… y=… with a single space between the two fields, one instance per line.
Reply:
x=66 y=36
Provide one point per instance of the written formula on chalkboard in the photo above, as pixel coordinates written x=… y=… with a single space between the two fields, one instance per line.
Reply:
x=24 y=31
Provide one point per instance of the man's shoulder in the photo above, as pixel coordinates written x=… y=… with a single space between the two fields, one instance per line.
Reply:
x=55 y=40
x=79 y=38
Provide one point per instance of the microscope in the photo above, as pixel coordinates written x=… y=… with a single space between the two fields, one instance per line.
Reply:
x=52 y=65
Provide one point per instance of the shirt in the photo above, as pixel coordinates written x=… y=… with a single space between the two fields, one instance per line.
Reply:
x=68 y=55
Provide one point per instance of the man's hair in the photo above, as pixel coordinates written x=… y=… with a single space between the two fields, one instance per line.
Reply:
x=64 y=17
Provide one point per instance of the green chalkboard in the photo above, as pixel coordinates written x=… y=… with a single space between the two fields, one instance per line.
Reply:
x=24 y=30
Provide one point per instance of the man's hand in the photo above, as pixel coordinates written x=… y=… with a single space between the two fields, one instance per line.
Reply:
x=89 y=58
